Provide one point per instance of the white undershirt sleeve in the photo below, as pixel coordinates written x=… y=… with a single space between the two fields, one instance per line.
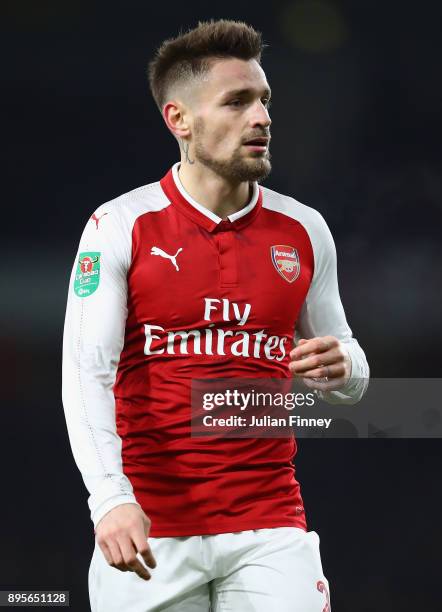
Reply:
x=323 y=314
x=92 y=342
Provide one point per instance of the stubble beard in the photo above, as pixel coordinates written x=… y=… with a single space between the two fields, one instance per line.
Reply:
x=237 y=169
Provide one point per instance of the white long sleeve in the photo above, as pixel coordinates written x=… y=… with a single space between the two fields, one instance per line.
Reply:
x=323 y=314
x=92 y=342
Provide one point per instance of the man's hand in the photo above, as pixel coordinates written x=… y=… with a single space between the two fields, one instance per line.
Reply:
x=121 y=534
x=321 y=358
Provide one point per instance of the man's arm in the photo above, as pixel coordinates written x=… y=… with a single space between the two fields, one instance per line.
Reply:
x=92 y=342
x=327 y=347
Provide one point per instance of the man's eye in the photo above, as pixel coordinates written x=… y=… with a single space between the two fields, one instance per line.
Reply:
x=235 y=103
x=266 y=102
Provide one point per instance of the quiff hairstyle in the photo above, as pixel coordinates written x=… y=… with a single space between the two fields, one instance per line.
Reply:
x=191 y=54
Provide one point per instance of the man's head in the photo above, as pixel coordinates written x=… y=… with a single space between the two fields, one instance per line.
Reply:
x=213 y=94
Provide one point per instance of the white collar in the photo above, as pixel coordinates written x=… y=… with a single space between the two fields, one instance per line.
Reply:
x=205 y=211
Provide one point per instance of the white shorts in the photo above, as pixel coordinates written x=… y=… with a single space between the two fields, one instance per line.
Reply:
x=259 y=570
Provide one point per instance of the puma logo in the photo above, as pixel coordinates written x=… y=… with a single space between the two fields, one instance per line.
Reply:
x=161 y=253
x=97 y=219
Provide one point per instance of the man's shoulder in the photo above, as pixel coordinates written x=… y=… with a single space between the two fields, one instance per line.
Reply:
x=137 y=201
x=296 y=210
x=310 y=218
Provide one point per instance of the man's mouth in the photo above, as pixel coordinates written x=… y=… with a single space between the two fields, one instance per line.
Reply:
x=259 y=143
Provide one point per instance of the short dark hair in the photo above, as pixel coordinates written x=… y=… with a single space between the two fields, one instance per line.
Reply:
x=191 y=54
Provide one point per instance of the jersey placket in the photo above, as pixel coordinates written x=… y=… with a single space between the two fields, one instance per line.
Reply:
x=225 y=240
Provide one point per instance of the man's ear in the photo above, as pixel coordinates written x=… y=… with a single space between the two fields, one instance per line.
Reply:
x=177 y=119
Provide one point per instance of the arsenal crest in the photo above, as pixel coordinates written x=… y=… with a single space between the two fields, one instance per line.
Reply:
x=286 y=261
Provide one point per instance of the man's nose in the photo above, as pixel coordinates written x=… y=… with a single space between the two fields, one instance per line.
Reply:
x=261 y=115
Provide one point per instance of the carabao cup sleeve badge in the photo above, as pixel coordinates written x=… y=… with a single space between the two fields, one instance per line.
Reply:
x=87 y=275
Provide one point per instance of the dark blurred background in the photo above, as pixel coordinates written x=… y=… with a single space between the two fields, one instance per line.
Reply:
x=357 y=98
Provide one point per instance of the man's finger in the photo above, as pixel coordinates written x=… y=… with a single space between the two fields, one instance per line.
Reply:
x=106 y=552
x=142 y=546
x=326 y=385
x=131 y=560
x=299 y=366
x=313 y=345
x=117 y=560
x=336 y=370
x=303 y=348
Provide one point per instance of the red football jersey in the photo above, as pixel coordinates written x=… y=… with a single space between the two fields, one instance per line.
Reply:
x=163 y=291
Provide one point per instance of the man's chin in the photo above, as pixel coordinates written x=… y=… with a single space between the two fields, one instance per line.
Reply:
x=257 y=168
x=241 y=169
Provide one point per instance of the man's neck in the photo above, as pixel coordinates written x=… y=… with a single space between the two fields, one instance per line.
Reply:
x=213 y=191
